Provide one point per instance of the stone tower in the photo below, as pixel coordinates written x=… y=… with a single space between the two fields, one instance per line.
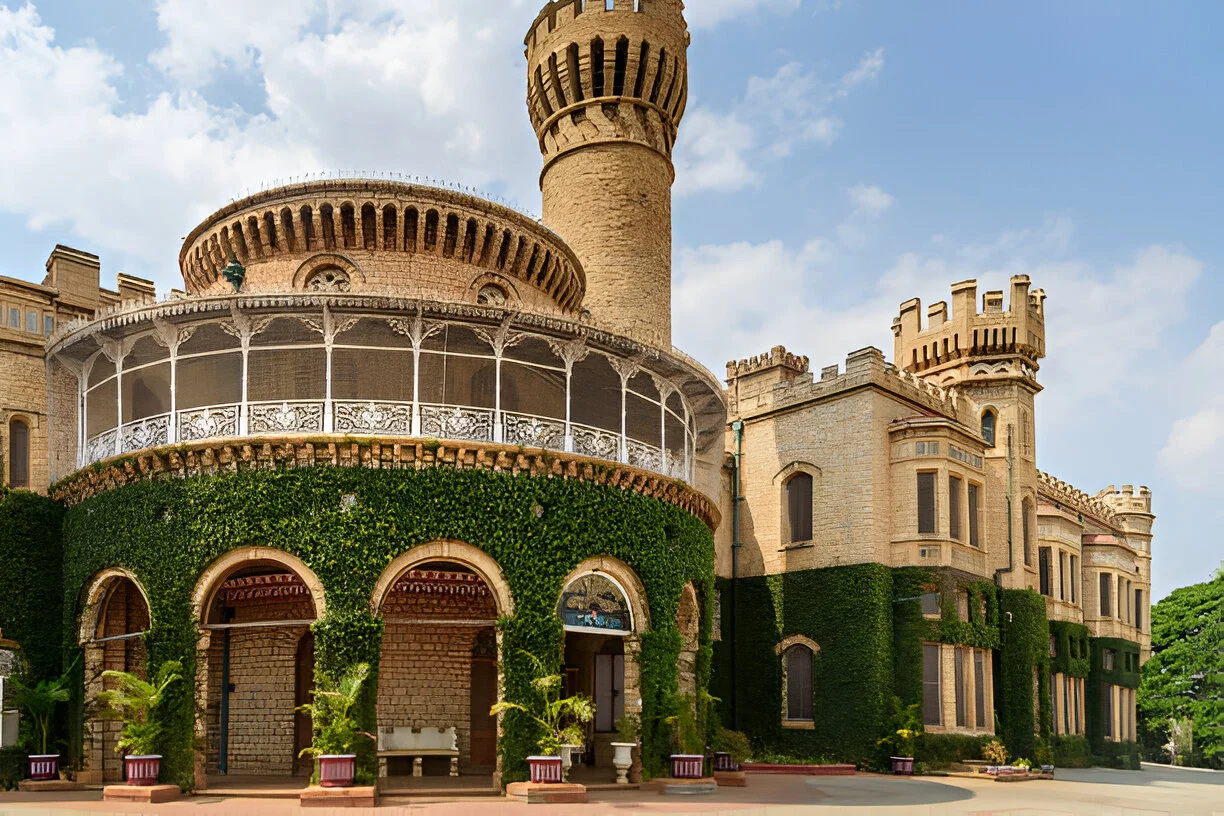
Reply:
x=607 y=84
x=992 y=357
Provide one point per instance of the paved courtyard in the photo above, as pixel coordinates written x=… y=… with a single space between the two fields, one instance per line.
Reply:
x=1095 y=792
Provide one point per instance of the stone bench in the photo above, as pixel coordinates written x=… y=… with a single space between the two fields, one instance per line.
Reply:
x=418 y=743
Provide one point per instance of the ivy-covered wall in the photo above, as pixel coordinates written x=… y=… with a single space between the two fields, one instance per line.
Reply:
x=848 y=612
x=1071 y=655
x=1125 y=673
x=31 y=566
x=1023 y=659
x=538 y=529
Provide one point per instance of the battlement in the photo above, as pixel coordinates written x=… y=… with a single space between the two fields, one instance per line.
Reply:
x=777 y=357
x=607 y=71
x=966 y=337
x=1071 y=496
x=1127 y=501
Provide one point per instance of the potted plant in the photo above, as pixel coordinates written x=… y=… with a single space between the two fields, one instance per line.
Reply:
x=38 y=704
x=628 y=728
x=135 y=703
x=1045 y=758
x=688 y=748
x=560 y=718
x=335 y=731
x=995 y=754
x=731 y=749
x=906 y=726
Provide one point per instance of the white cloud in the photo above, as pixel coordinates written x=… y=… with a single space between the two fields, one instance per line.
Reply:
x=726 y=151
x=1193 y=453
x=709 y=13
x=435 y=92
x=870 y=201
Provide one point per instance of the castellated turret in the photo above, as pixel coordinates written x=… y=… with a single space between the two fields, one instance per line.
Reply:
x=607 y=85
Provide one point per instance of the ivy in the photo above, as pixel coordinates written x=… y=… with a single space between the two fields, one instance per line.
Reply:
x=167 y=532
x=1071 y=654
x=1125 y=673
x=31 y=555
x=1025 y=654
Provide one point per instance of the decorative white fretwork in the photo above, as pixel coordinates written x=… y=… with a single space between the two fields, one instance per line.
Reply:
x=600 y=444
x=457 y=423
x=533 y=432
x=374 y=417
x=101 y=446
x=146 y=433
x=287 y=417
x=645 y=456
x=207 y=423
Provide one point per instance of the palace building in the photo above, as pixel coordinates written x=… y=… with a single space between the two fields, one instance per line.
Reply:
x=403 y=425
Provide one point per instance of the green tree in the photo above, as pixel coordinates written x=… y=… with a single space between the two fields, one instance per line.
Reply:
x=1184 y=680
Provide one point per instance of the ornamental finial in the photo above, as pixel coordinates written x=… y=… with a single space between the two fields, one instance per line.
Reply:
x=235 y=273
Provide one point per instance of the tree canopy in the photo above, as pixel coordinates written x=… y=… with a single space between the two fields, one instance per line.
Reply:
x=1185 y=677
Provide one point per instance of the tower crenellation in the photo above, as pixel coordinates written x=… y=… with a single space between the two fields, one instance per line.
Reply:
x=993 y=336
x=607 y=85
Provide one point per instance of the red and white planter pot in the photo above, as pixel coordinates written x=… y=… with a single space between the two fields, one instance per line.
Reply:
x=688 y=766
x=724 y=763
x=337 y=770
x=545 y=769
x=142 y=771
x=903 y=765
x=44 y=767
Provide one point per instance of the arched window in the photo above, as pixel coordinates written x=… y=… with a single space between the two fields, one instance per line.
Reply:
x=989 y=419
x=798 y=683
x=799 y=507
x=329 y=279
x=1026 y=523
x=19 y=454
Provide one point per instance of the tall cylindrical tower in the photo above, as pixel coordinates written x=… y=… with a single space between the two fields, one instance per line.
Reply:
x=606 y=87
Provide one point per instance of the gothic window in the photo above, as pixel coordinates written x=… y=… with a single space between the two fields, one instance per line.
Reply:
x=799 y=507
x=989 y=420
x=19 y=454
x=330 y=279
x=492 y=295
x=799 y=683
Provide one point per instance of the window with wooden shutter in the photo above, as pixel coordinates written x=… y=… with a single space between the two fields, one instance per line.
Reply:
x=931 y=702
x=954 y=507
x=799 y=507
x=926 y=502
x=799 y=683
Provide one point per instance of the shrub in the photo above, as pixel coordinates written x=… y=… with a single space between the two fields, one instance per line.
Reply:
x=994 y=753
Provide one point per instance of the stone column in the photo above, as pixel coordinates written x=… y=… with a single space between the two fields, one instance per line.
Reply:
x=200 y=756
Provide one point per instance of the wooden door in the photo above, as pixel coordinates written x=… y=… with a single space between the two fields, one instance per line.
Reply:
x=483 y=724
x=303 y=683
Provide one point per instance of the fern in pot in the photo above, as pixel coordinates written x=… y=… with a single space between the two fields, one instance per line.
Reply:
x=335 y=730
x=137 y=704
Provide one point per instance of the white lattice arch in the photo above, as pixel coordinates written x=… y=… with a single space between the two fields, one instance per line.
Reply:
x=94 y=597
x=212 y=577
x=459 y=552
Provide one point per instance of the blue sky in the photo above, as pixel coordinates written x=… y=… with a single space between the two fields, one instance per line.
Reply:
x=835 y=160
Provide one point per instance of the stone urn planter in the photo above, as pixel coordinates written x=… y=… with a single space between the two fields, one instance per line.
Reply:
x=337 y=770
x=622 y=760
x=142 y=771
x=545 y=769
x=903 y=766
x=44 y=767
x=688 y=766
x=567 y=759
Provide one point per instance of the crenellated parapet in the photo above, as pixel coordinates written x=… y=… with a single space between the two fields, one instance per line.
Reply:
x=778 y=357
x=967 y=343
x=607 y=74
x=1071 y=496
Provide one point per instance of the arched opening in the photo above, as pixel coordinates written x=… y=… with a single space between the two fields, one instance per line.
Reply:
x=255 y=664
x=799 y=508
x=798 y=682
x=19 y=454
x=390 y=227
x=989 y=421
x=438 y=670
x=348 y=225
x=602 y=610
x=113 y=621
x=369 y=232
x=452 y=235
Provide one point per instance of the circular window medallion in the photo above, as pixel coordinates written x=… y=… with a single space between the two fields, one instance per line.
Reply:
x=595 y=603
x=492 y=295
x=330 y=279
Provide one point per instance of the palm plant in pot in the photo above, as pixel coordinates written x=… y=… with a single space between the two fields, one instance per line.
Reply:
x=906 y=725
x=336 y=733
x=136 y=702
x=688 y=748
x=628 y=729
x=38 y=704
x=560 y=719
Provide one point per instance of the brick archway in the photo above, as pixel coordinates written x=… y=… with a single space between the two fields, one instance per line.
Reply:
x=115 y=613
x=253 y=607
x=460 y=552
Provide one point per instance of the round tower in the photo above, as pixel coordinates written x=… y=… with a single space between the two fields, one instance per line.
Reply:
x=607 y=85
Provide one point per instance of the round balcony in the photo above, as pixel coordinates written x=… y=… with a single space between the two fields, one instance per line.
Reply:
x=264 y=366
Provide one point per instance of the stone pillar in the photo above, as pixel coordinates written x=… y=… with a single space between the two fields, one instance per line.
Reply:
x=92 y=755
x=199 y=752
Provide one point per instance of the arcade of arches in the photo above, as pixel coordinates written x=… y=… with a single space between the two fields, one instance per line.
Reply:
x=438 y=666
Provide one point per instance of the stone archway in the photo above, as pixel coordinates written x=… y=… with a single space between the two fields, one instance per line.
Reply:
x=254 y=608
x=115 y=614
x=440 y=660
x=604 y=611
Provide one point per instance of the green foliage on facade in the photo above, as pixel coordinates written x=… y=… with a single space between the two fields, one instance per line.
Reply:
x=1072 y=656
x=1025 y=658
x=168 y=531
x=1071 y=751
x=848 y=612
x=1125 y=673
x=1184 y=678
x=32 y=564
